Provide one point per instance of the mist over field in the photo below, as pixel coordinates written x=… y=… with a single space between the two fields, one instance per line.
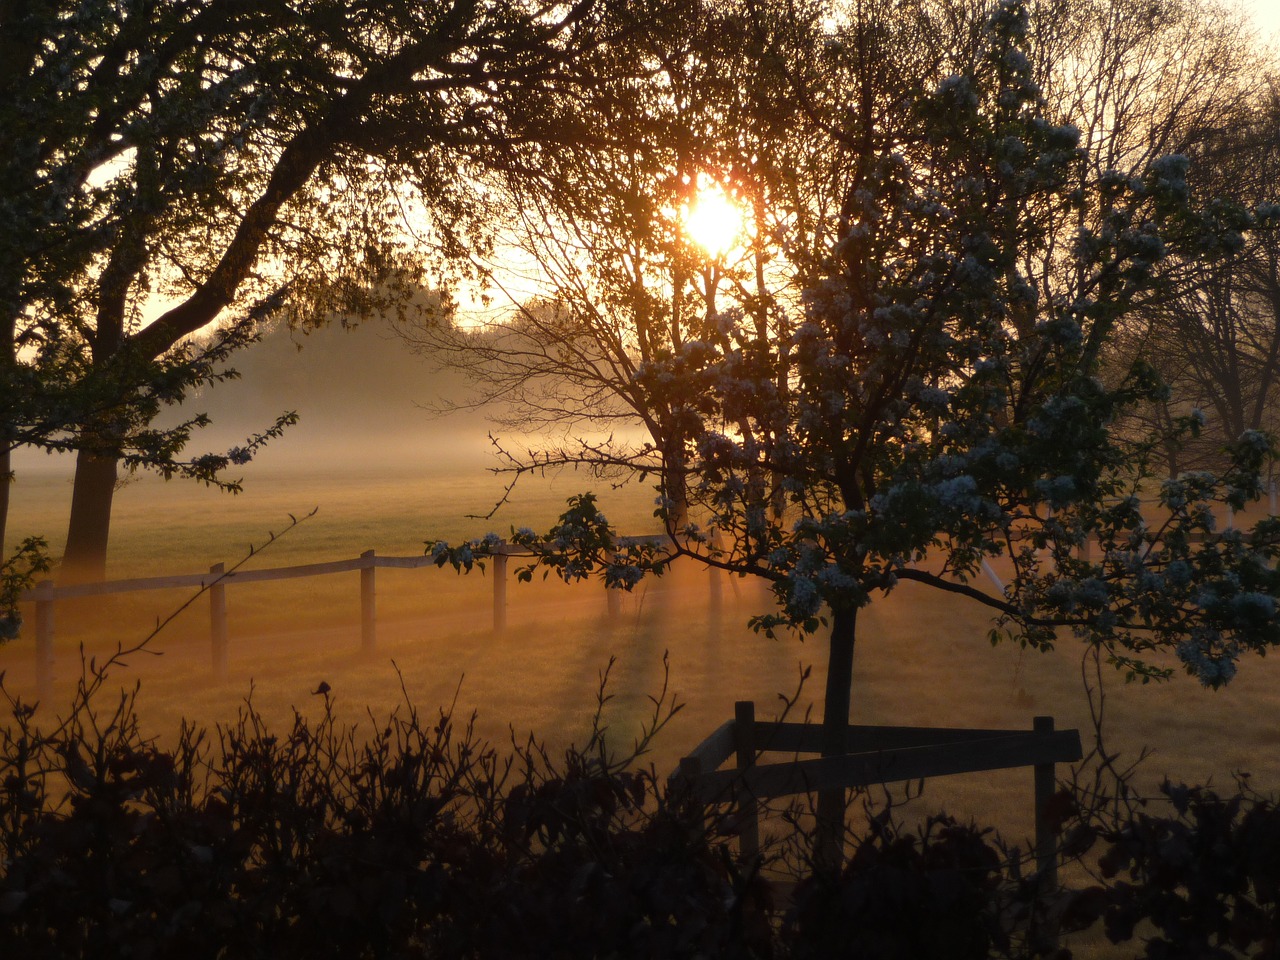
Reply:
x=375 y=449
x=365 y=401
x=387 y=471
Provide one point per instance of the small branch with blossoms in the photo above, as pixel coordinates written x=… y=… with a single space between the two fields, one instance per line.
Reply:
x=581 y=545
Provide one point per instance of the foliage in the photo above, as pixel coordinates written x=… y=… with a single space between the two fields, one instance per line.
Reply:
x=943 y=398
x=57 y=391
x=17 y=574
x=1192 y=873
x=1205 y=875
x=204 y=161
x=582 y=544
x=903 y=894
x=412 y=838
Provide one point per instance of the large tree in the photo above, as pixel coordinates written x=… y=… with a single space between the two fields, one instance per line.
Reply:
x=944 y=407
x=210 y=159
x=754 y=98
x=737 y=110
x=618 y=278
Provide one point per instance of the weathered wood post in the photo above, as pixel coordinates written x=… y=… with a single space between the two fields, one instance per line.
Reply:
x=44 y=639
x=368 y=604
x=744 y=743
x=613 y=599
x=499 y=592
x=218 y=619
x=1046 y=841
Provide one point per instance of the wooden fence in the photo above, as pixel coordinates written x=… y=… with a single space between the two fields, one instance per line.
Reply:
x=46 y=594
x=873 y=755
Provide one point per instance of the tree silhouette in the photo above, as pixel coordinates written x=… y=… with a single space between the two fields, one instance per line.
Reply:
x=228 y=161
x=942 y=407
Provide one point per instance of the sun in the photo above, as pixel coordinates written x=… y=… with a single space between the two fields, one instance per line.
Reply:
x=713 y=221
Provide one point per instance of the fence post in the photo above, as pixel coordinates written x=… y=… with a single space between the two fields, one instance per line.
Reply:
x=1045 y=786
x=368 y=604
x=1273 y=498
x=44 y=639
x=613 y=599
x=1046 y=842
x=499 y=592
x=218 y=619
x=744 y=742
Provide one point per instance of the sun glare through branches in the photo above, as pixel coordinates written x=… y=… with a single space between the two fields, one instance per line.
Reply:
x=714 y=221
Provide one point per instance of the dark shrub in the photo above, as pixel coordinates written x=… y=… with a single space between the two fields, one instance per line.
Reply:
x=904 y=896
x=416 y=840
x=1205 y=877
x=413 y=841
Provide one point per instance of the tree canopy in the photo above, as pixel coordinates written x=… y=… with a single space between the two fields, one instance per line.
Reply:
x=941 y=399
x=172 y=165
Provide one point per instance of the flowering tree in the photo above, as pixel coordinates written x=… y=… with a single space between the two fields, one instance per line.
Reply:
x=945 y=401
x=608 y=236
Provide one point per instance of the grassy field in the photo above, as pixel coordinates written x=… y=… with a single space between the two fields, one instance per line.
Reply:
x=922 y=658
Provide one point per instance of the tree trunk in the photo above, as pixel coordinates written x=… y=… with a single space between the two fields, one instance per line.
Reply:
x=678 y=508
x=829 y=848
x=85 y=559
x=675 y=488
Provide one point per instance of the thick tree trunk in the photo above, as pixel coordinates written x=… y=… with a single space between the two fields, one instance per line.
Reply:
x=829 y=849
x=675 y=487
x=678 y=494
x=85 y=559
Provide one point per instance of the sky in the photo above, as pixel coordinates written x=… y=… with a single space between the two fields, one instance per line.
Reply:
x=1266 y=13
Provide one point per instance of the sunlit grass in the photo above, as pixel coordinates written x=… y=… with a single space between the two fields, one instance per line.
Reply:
x=922 y=657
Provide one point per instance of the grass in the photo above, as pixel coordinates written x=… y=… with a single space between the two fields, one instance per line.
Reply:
x=922 y=657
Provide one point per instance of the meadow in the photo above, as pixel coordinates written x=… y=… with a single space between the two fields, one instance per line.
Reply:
x=922 y=658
